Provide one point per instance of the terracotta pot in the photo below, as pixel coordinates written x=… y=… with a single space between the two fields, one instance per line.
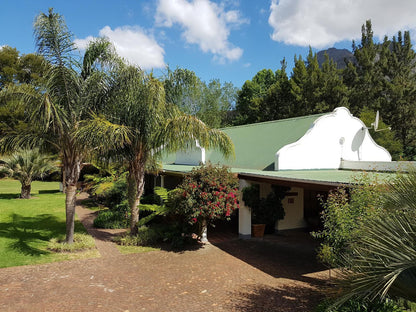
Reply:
x=257 y=230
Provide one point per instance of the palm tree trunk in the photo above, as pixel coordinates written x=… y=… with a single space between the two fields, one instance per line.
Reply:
x=25 y=190
x=135 y=192
x=72 y=172
x=70 y=204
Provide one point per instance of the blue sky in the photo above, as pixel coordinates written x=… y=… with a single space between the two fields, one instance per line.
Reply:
x=230 y=39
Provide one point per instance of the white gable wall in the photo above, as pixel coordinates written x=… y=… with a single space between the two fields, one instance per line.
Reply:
x=332 y=137
x=193 y=156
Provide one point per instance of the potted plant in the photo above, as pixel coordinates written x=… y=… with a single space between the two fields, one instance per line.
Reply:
x=264 y=211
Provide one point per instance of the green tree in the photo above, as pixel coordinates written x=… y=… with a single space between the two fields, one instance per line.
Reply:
x=154 y=125
x=278 y=103
x=400 y=88
x=15 y=68
x=210 y=102
x=9 y=60
x=70 y=96
x=26 y=165
x=385 y=137
x=333 y=92
x=216 y=102
x=184 y=89
x=367 y=88
x=299 y=82
x=250 y=96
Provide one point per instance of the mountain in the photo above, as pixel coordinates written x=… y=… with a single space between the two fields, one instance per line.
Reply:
x=340 y=56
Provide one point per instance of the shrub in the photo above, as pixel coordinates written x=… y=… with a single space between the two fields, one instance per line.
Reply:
x=81 y=242
x=109 y=190
x=116 y=218
x=145 y=236
x=176 y=234
x=355 y=305
x=207 y=193
x=344 y=212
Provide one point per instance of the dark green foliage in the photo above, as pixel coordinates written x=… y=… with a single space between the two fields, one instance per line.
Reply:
x=344 y=212
x=265 y=210
x=115 y=218
x=17 y=69
x=178 y=235
x=354 y=305
x=251 y=95
x=383 y=137
x=118 y=214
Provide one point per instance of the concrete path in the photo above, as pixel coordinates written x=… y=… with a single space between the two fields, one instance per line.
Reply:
x=103 y=237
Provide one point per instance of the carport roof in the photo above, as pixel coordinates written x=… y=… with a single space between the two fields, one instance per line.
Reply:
x=305 y=178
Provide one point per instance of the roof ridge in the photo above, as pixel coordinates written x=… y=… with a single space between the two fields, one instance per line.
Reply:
x=274 y=121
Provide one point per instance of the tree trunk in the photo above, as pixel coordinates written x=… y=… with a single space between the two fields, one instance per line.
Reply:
x=204 y=230
x=63 y=180
x=72 y=167
x=135 y=191
x=25 y=190
x=70 y=203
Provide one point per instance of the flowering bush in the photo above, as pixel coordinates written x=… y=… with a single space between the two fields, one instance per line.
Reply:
x=207 y=193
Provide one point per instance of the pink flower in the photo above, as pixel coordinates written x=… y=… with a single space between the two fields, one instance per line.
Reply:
x=194 y=220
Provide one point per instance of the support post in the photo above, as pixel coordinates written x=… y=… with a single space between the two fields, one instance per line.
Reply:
x=244 y=215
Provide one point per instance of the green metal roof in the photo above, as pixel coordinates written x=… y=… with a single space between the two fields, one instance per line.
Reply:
x=256 y=144
x=327 y=177
x=255 y=149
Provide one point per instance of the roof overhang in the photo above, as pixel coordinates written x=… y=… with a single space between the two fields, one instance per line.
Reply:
x=292 y=182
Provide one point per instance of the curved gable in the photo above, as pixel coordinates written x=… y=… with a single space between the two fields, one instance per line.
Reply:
x=333 y=137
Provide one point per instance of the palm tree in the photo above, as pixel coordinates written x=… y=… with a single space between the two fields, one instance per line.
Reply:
x=25 y=165
x=72 y=93
x=138 y=102
x=383 y=262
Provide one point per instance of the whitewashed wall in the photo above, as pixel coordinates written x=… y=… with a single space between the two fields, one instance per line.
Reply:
x=193 y=156
x=331 y=138
x=294 y=213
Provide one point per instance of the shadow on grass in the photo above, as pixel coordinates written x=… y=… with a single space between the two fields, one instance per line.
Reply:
x=28 y=231
x=265 y=298
x=9 y=195
x=48 y=191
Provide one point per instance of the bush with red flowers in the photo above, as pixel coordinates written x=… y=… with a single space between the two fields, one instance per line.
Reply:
x=207 y=193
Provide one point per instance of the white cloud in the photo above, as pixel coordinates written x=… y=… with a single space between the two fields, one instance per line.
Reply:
x=133 y=44
x=321 y=23
x=204 y=23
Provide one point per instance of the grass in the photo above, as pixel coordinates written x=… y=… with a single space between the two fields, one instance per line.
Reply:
x=27 y=225
x=135 y=249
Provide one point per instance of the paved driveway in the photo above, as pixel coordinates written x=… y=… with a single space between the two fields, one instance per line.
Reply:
x=277 y=274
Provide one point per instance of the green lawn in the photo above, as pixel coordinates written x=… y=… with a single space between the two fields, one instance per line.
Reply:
x=26 y=225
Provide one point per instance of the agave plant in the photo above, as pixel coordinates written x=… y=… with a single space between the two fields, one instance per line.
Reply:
x=26 y=165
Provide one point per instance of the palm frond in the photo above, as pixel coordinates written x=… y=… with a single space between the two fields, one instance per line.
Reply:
x=99 y=53
x=101 y=135
x=182 y=131
x=401 y=193
x=53 y=39
x=384 y=260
